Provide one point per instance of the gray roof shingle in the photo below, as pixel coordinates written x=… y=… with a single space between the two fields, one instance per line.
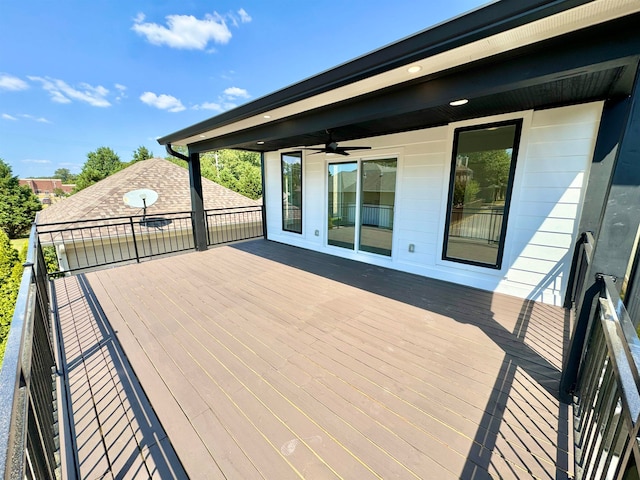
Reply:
x=171 y=182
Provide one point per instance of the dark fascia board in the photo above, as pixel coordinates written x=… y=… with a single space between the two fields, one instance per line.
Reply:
x=569 y=55
x=480 y=23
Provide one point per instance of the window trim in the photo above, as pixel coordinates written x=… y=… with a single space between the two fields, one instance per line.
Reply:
x=297 y=153
x=518 y=123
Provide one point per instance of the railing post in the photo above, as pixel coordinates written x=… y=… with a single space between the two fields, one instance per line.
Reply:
x=586 y=306
x=264 y=201
x=135 y=242
x=197 y=202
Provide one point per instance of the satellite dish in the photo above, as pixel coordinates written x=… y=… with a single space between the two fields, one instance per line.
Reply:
x=142 y=198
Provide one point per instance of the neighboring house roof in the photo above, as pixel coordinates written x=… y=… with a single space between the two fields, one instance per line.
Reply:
x=508 y=56
x=105 y=198
x=41 y=185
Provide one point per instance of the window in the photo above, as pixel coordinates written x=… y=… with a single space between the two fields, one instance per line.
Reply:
x=291 y=164
x=362 y=196
x=483 y=165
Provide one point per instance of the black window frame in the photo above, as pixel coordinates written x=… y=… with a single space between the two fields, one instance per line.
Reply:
x=507 y=204
x=298 y=154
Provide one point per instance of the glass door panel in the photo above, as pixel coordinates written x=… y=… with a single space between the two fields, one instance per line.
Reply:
x=377 y=199
x=342 y=188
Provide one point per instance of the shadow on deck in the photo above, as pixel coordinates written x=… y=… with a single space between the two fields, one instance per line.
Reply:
x=268 y=361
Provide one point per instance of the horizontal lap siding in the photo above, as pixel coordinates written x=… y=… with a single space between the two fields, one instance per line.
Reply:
x=554 y=172
x=552 y=167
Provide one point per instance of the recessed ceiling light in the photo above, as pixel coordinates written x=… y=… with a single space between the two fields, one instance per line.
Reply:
x=202 y=136
x=260 y=142
x=414 y=69
x=266 y=116
x=457 y=103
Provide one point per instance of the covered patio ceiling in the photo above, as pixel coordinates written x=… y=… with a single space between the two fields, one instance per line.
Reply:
x=546 y=55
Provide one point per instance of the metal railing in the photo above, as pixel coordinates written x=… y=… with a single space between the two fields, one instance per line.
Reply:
x=28 y=430
x=476 y=223
x=344 y=215
x=226 y=225
x=607 y=399
x=579 y=267
x=80 y=245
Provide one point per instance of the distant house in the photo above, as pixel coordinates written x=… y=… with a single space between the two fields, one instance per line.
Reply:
x=47 y=189
x=95 y=226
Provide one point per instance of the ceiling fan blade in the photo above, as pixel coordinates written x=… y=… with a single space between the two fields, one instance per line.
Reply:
x=340 y=151
x=354 y=148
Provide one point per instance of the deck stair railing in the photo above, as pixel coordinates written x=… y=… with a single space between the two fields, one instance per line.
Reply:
x=29 y=437
x=607 y=397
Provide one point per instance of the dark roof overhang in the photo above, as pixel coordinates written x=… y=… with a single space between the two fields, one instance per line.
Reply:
x=593 y=63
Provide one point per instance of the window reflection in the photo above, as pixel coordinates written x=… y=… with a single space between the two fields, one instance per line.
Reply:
x=342 y=204
x=378 y=201
x=291 y=164
x=479 y=192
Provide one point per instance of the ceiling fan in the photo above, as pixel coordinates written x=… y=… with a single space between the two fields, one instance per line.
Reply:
x=332 y=147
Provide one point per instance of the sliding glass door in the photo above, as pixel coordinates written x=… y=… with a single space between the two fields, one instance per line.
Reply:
x=362 y=195
x=342 y=204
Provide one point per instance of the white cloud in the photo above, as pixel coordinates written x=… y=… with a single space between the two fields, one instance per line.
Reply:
x=34 y=118
x=234 y=92
x=184 y=31
x=121 y=91
x=209 y=106
x=28 y=160
x=226 y=101
x=61 y=92
x=6 y=116
x=244 y=16
x=9 y=82
x=162 y=101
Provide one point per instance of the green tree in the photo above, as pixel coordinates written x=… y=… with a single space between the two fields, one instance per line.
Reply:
x=142 y=153
x=18 y=204
x=65 y=175
x=10 y=277
x=235 y=169
x=464 y=192
x=100 y=164
x=491 y=171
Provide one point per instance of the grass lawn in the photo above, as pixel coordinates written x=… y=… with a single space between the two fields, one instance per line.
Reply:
x=18 y=243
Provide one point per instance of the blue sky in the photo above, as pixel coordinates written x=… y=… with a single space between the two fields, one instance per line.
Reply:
x=76 y=75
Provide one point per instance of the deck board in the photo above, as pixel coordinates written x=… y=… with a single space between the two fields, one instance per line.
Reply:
x=268 y=361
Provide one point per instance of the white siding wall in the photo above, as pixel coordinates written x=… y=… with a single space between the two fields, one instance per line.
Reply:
x=552 y=166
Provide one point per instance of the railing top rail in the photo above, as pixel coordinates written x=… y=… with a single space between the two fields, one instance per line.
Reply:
x=12 y=375
x=43 y=225
x=588 y=244
x=31 y=250
x=108 y=219
x=624 y=345
x=257 y=207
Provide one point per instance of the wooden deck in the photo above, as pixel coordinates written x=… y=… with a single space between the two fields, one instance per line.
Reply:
x=267 y=361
